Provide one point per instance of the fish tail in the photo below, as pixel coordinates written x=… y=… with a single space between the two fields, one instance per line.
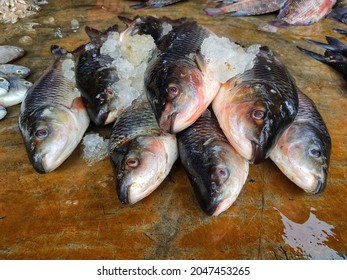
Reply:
x=336 y=44
x=314 y=55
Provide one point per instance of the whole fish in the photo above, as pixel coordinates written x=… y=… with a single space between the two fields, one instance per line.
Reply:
x=95 y=77
x=255 y=107
x=9 y=53
x=333 y=56
x=4 y=85
x=15 y=70
x=216 y=171
x=53 y=117
x=302 y=152
x=178 y=85
x=303 y=12
x=141 y=153
x=16 y=91
x=3 y=112
x=246 y=7
x=154 y=3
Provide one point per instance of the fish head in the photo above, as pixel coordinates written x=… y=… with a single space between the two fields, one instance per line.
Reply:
x=51 y=131
x=17 y=91
x=303 y=154
x=4 y=85
x=184 y=98
x=143 y=165
x=255 y=120
x=219 y=182
x=99 y=106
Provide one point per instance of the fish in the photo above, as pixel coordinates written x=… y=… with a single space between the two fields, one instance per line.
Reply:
x=339 y=12
x=15 y=70
x=142 y=154
x=53 y=117
x=338 y=15
x=256 y=106
x=302 y=152
x=150 y=25
x=302 y=12
x=215 y=170
x=95 y=76
x=246 y=7
x=333 y=56
x=154 y=3
x=177 y=83
x=4 y=85
x=10 y=53
x=3 y=112
x=16 y=91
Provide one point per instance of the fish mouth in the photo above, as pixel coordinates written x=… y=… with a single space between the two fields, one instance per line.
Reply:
x=123 y=193
x=320 y=186
x=40 y=164
x=101 y=118
x=258 y=154
x=39 y=167
x=168 y=123
x=130 y=194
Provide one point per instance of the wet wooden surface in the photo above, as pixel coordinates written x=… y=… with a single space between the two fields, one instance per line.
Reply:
x=73 y=212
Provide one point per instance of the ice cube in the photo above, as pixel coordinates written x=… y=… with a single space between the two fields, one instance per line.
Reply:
x=224 y=58
x=95 y=148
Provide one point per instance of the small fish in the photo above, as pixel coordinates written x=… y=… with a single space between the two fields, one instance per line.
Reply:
x=53 y=117
x=3 y=112
x=95 y=76
x=302 y=12
x=216 y=171
x=178 y=84
x=10 y=53
x=141 y=153
x=154 y=3
x=333 y=56
x=16 y=92
x=255 y=107
x=4 y=85
x=246 y=7
x=150 y=25
x=15 y=70
x=302 y=152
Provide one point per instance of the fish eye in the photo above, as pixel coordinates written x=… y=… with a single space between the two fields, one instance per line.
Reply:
x=315 y=153
x=109 y=92
x=27 y=83
x=132 y=162
x=258 y=114
x=41 y=133
x=19 y=71
x=173 y=90
x=220 y=174
x=2 y=79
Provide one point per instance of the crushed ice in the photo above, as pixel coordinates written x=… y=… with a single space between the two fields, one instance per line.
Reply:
x=226 y=59
x=130 y=56
x=95 y=148
x=68 y=69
